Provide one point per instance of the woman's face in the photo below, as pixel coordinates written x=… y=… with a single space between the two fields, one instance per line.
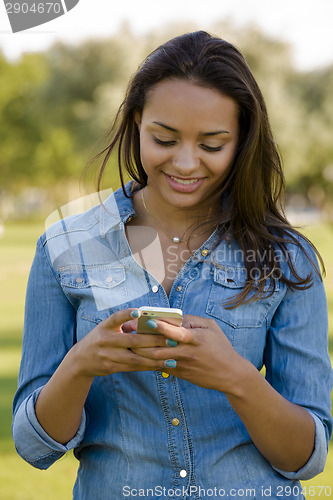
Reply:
x=188 y=140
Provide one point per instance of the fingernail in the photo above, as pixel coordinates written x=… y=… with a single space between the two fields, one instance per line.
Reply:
x=170 y=363
x=135 y=313
x=151 y=323
x=171 y=343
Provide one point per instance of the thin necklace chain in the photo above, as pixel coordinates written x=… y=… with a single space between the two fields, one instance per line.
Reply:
x=175 y=239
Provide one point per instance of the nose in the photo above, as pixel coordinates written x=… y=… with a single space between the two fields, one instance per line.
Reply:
x=185 y=159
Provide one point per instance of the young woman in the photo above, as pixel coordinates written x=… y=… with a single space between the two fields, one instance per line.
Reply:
x=182 y=411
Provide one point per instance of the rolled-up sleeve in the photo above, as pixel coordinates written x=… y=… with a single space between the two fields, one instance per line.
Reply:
x=49 y=333
x=316 y=462
x=33 y=444
x=297 y=361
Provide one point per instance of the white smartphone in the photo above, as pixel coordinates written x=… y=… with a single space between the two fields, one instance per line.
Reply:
x=169 y=314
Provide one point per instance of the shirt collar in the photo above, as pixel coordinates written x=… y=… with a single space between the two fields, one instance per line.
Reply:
x=116 y=208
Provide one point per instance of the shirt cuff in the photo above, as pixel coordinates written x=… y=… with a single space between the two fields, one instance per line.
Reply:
x=316 y=463
x=32 y=443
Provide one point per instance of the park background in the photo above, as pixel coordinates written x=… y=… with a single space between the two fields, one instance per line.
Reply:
x=56 y=106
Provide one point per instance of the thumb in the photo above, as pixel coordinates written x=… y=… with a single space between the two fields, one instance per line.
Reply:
x=118 y=318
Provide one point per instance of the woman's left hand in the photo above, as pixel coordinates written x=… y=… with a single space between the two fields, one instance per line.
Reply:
x=282 y=431
x=204 y=355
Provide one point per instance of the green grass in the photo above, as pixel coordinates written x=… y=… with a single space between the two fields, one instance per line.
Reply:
x=18 y=480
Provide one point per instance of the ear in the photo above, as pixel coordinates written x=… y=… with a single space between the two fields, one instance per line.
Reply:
x=137 y=119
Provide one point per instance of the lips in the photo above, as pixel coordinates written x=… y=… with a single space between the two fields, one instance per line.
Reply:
x=184 y=181
x=184 y=184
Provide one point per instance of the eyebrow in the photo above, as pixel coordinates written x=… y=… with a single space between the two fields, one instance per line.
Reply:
x=204 y=134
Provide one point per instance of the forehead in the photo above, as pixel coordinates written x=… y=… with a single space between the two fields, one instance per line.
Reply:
x=176 y=101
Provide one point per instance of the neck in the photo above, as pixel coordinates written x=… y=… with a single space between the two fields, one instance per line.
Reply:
x=175 y=222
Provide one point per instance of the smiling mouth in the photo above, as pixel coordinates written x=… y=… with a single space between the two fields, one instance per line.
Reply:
x=184 y=181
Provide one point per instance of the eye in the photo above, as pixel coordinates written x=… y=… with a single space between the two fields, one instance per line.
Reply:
x=211 y=149
x=164 y=143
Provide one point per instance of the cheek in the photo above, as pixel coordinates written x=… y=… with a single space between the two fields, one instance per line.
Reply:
x=151 y=156
x=144 y=153
x=147 y=160
x=222 y=165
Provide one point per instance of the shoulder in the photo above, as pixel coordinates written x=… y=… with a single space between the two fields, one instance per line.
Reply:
x=98 y=209
x=80 y=237
x=299 y=258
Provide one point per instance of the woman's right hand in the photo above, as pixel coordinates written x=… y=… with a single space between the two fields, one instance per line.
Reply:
x=107 y=348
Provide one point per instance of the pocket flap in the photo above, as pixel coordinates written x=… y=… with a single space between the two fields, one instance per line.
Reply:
x=85 y=276
x=235 y=277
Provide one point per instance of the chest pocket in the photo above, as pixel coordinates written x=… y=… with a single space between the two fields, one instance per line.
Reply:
x=230 y=281
x=95 y=291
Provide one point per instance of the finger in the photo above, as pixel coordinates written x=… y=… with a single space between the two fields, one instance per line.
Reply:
x=150 y=352
x=118 y=318
x=161 y=353
x=191 y=321
x=129 y=341
x=146 y=340
x=130 y=326
x=127 y=360
x=136 y=361
x=170 y=363
x=177 y=333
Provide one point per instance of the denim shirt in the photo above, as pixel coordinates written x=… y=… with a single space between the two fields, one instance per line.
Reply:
x=150 y=434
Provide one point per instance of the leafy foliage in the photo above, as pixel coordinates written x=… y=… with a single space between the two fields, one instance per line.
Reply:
x=57 y=106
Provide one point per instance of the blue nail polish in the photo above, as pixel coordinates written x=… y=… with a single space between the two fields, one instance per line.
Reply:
x=170 y=363
x=172 y=343
x=135 y=313
x=151 y=323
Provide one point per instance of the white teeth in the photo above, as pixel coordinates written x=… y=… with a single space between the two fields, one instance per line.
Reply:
x=180 y=181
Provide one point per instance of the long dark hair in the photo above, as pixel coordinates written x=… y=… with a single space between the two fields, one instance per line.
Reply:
x=254 y=188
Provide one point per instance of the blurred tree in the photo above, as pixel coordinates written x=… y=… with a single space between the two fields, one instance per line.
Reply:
x=313 y=94
x=56 y=107
x=20 y=116
x=78 y=77
x=300 y=106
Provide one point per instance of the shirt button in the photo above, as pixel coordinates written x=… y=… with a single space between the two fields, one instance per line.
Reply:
x=175 y=422
x=165 y=375
x=155 y=288
x=183 y=473
x=109 y=279
x=179 y=288
x=129 y=219
x=204 y=252
x=79 y=280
